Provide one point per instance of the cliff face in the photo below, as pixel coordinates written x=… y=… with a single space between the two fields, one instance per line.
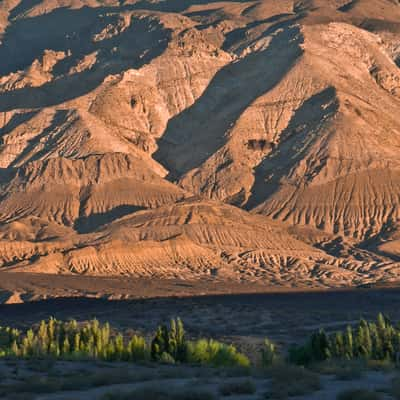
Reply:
x=246 y=139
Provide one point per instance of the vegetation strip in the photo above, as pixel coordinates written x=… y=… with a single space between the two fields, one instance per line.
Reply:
x=95 y=341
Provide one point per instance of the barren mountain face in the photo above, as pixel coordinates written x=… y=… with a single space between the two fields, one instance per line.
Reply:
x=248 y=140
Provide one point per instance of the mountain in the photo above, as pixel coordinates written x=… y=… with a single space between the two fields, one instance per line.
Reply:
x=247 y=140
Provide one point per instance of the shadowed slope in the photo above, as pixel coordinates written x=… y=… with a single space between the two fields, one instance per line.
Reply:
x=79 y=32
x=227 y=96
x=302 y=132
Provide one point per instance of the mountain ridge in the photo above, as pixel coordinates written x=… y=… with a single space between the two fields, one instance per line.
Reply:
x=272 y=124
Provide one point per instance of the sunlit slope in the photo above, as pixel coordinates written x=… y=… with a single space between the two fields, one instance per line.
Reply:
x=287 y=110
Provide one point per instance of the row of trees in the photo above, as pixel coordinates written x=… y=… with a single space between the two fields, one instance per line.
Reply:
x=95 y=341
x=68 y=340
x=378 y=340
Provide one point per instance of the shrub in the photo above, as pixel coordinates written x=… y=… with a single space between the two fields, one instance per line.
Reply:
x=166 y=358
x=211 y=352
x=170 y=342
x=138 y=349
x=268 y=353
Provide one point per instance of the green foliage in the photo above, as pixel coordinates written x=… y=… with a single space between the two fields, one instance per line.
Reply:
x=211 y=352
x=68 y=340
x=170 y=342
x=138 y=349
x=268 y=353
x=60 y=340
x=166 y=358
x=378 y=340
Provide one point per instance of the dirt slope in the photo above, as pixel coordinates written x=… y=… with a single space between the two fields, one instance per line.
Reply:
x=278 y=116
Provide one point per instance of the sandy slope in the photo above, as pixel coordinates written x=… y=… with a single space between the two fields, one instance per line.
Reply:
x=285 y=109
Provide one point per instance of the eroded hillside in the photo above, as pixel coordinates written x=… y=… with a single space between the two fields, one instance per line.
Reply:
x=252 y=140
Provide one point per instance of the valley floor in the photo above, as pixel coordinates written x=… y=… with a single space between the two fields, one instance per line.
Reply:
x=243 y=319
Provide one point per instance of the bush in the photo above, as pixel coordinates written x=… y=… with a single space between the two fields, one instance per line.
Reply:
x=358 y=394
x=268 y=353
x=138 y=349
x=378 y=340
x=237 y=387
x=166 y=358
x=211 y=352
x=170 y=343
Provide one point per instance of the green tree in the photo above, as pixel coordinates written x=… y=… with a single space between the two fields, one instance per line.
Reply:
x=320 y=346
x=348 y=343
x=159 y=344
